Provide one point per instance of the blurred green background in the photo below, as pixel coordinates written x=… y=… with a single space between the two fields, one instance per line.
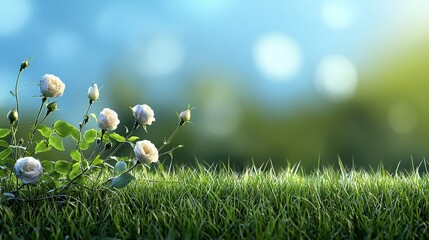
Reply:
x=287 y=81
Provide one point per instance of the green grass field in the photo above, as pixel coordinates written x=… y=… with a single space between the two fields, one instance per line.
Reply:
x=210 y=202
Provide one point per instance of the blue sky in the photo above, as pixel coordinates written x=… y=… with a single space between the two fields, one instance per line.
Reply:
x=278 y=52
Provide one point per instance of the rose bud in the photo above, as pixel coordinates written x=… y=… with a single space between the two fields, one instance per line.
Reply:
x=12 y=115
x=185 y=116
x=93 y=93
x=52 y=107
x=24 y=65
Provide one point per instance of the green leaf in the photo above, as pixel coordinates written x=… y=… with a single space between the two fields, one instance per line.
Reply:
x=55 y=175
x=75 y=155
x=84 y=145
x=75 y=170
x=121 y=180
x=5 y=153
x=106 y=137
x=45 y=131
x=8 y=162
x=12 y=93
x=3 y=143
x=4 y=132
x=117 y=137
x=98 y=161
x=63 y=167
x=94 y=116
x=90 y=135
x=63 y=129
x=133 y=138
x=57 y=143
x=120 y=167
x=47 y=165
x=42 y=146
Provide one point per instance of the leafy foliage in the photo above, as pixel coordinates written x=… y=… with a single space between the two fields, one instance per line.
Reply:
x=88 y=153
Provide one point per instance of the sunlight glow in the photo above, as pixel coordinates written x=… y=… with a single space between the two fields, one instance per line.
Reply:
x=338 y=15
x=277 y=56
x=164 y=55
x=336 y=77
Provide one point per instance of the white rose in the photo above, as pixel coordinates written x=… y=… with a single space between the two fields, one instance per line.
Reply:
x=146 y=152
x=93 y=92
x=51 y=86
x=28 y=169
x=185 y=116
x=108 y=119
x=143 y=114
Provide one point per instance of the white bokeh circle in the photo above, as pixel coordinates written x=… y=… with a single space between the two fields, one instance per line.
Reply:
x=336 y=77
x=277 y=56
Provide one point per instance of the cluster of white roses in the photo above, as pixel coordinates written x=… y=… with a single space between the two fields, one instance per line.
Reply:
x=145 y=151
x=29 y=169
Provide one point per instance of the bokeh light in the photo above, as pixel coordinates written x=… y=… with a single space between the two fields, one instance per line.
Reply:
x=164 y=54
x=282 y=80
x=277 y=56
x=402 y=118
x=338 y=14
x=336 y=77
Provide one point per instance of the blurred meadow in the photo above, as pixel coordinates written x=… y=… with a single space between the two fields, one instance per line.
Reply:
x=287 y=81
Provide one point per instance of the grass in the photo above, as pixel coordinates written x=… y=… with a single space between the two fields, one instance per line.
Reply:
x=210 y=202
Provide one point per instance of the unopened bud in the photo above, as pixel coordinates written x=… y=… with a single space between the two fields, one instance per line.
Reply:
x=185 y=116
x=24 y=65
x=52 y=107
x=12 y=115
x=93 y=93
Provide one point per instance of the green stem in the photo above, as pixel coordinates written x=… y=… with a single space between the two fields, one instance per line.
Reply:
x=33 y=130
x=169 y=151
x=171 y=136
x=16 y=91
x=15 y=149
x=136 y=125
x=89 y=165
x=85 y=117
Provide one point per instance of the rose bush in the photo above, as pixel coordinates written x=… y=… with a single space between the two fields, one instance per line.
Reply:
x=92 y=156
